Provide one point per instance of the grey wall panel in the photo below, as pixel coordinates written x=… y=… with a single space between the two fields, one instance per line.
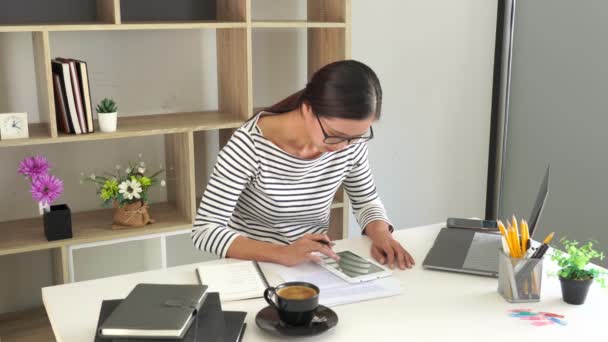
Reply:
x=558 y=115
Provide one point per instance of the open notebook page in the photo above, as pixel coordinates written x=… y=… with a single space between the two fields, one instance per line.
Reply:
x=335 y=291
x=234 y=281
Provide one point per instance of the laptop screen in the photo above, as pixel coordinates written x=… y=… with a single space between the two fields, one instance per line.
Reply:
x=540 y=203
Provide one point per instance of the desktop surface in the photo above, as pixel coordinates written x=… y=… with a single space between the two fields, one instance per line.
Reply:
x=433 y=305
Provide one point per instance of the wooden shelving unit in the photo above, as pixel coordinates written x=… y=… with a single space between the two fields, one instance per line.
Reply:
x=135 y=126
x=296 y=24
x=21 y=236
x=328 y=27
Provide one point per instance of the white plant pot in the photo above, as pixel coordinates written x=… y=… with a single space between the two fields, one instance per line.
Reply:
x=107 y=121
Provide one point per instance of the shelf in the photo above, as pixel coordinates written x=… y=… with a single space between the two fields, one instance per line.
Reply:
x=336 y=204
x=91 y=226
x=39 y=134
x=136 y=126
x=169 y=25
x=26 y=326
x=295 y=24
x=157 y=25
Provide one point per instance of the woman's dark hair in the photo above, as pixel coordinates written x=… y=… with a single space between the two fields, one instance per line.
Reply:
x=344 y=89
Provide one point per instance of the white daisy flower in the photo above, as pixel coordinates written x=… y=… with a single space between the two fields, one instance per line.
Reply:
x=130 y=189
x=128 y=170
x=163 y=183
x=141 y=170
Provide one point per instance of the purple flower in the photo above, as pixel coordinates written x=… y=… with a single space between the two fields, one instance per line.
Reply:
x=46 y=188
x=34 y=167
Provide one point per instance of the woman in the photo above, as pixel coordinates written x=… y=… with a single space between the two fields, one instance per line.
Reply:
x=270 y=193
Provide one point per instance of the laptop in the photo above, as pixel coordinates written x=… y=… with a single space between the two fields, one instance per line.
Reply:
x=472 y=251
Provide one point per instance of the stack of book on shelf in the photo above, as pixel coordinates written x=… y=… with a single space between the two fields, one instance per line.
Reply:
x=159 y=312
x=72 y=96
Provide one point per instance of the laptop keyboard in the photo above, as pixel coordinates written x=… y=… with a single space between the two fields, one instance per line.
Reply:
x=483 y=253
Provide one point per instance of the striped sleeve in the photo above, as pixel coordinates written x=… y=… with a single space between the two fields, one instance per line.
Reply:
x=360 y=187
x=235 y=167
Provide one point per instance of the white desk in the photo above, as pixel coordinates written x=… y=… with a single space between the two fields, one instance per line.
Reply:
x=433 y=306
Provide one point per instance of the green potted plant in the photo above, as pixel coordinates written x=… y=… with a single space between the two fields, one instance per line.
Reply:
x=107 y=112
x=574 y=275
x=127 y=191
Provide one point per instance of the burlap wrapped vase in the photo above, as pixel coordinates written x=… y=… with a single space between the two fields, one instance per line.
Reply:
x=132 y=215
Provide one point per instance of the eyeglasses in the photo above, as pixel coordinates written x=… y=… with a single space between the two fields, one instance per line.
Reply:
x=334 y=140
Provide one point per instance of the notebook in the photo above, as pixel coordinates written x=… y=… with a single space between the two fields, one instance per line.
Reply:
x=155 y=311
x=335 y=291
x=211 y=325
x=234 y=281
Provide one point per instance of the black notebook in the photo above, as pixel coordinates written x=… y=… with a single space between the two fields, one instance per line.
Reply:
x=155 y=311
x=211 y=323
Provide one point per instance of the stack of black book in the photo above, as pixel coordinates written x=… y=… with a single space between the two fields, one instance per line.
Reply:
x=158 y=312
x=72 y=96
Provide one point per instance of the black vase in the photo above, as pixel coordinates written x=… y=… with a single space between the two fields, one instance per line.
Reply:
x=575 y=291
x=58 y=223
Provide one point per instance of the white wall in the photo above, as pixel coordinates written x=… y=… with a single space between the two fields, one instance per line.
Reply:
x=434 y=59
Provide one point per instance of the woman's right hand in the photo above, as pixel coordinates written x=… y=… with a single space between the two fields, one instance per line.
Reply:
x=302 y=250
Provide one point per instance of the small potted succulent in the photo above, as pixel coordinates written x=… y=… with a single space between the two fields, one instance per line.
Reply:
x=574 y=275
x=107 y=112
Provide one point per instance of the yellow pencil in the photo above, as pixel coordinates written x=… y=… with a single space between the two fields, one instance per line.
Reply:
x=503 y=232
x=508 y=238
x=526 y=235
x=516 y=240
x=514 y=245
x=502 y=229
x=548 y=238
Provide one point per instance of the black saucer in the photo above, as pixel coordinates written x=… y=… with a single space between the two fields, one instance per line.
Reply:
x=268 y=319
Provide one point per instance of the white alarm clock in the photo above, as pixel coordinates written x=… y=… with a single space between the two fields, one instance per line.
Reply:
x=13 y=126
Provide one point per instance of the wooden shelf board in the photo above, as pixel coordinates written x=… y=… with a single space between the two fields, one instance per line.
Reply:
x=26 y=326
x=138 y=126
x=295 y=24
x=39 y=134
x=91 y=226
x=144 y=125
x=148 y=25
x=336 y=204
x=168 y=25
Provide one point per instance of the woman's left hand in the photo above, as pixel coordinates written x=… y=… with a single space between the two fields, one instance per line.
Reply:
x=385 y=249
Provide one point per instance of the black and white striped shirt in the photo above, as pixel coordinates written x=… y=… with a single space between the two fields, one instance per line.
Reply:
x=259 y=191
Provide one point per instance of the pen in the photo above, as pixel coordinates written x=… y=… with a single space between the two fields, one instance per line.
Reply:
x=540 y=252
x=326 y=243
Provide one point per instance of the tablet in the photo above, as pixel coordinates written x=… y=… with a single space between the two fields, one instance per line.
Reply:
x=354 y=268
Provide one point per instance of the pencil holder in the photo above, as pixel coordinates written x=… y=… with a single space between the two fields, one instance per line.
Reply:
x=519 y=279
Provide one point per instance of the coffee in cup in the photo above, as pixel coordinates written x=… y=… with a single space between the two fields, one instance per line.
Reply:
x=296 y=292
x=296 y=302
